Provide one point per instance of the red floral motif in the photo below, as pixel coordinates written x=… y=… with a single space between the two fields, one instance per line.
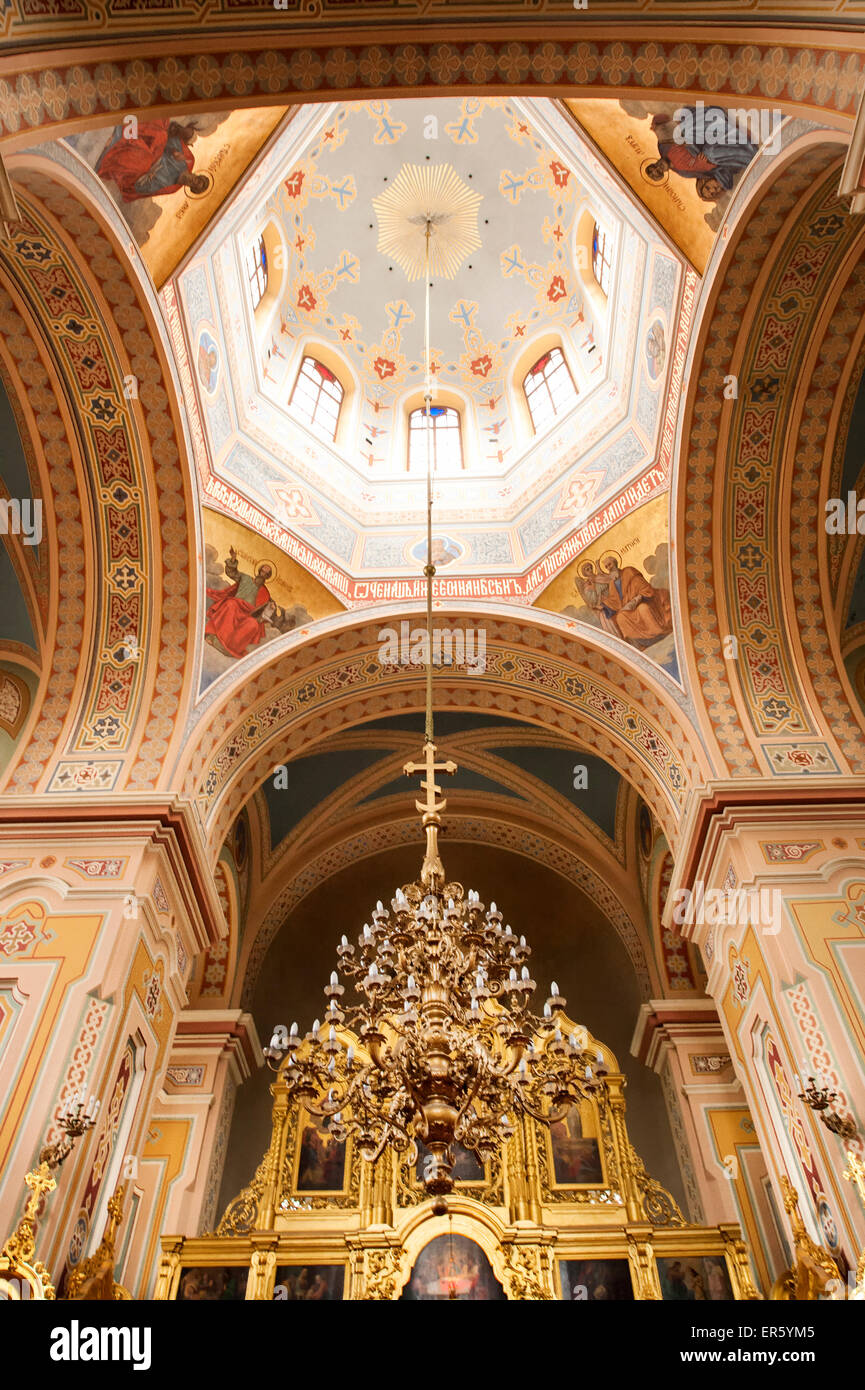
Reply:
x=482 y=366
x=153 y=987
x=384 y=368
x=19 y=936
x=560 y=174
x=557 y=289
x=306 y=299
x=294 y=183
x=800 y=756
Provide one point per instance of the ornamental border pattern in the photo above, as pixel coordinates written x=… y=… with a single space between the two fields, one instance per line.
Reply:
x=701 y=431
x=25 y=19
x=45 y=94
x=761 y=418
x=806 y=559
x=162 y=461
x=473 y=829
x=801 y=279
x=151 y=451
x=73 y=325
x=58 y=677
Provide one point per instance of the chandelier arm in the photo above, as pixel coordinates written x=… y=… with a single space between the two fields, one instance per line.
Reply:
x=333 y=1107
x=390 y=1126
x=548 y=1117
x=508 y=1069
x=479 y=1077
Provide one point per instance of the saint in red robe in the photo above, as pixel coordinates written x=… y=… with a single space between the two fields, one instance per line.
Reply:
x=151 y=165
x=232 y=621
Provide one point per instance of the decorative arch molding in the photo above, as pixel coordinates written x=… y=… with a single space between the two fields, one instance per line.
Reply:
x=807 y=481
x=732 y=519
x=67 y=527
x=380 y=835
x=845 y=551
x=28 y=561
x=109 y=714
x=566 y=684
x=202 y=70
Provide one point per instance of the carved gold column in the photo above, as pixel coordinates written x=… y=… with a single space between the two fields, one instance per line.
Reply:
x=627 y=1177
x=515 y=1175
x=262 y=1266
x=381 y=1197
x=642 y=1261
x=523 y=1175
x=168 y=1265
x=274 y=1162
x=739 y=1262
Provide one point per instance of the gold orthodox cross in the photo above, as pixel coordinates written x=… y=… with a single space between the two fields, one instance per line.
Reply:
x=430 y=807
x=432 y=872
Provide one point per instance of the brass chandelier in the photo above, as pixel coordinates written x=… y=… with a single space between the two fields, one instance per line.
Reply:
x=441 y=1046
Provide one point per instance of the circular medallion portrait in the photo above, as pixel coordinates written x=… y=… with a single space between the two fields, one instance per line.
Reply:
x=656 y=350
x=208 y=362
x=444 y=551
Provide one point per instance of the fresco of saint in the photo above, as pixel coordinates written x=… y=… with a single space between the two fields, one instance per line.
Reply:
x=641 y=613
x=239 y=614
x=713 y=163
x=156 y=162
x=592 y=588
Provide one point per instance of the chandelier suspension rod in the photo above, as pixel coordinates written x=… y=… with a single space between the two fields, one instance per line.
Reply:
x=429 y=569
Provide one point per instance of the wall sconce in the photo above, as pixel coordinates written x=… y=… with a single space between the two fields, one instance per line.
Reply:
x=820 y=1098
x=74 y=1120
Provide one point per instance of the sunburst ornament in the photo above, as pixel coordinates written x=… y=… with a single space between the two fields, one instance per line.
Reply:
x=428 y=209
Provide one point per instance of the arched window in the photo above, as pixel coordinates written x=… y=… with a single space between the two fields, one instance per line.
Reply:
x=601 y=256
x=445 y=437
x=549 y=388
x=317 y=397
x=256 y=270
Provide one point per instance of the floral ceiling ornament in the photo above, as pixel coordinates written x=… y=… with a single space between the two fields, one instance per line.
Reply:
x=431 y=194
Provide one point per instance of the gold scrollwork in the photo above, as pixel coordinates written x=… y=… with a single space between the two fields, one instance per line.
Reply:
x=382 y=1271
x=660 y=1207
x=528 y=1272
x=239 y=1216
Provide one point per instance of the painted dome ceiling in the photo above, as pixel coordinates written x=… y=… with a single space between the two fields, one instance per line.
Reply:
x=515 y=510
